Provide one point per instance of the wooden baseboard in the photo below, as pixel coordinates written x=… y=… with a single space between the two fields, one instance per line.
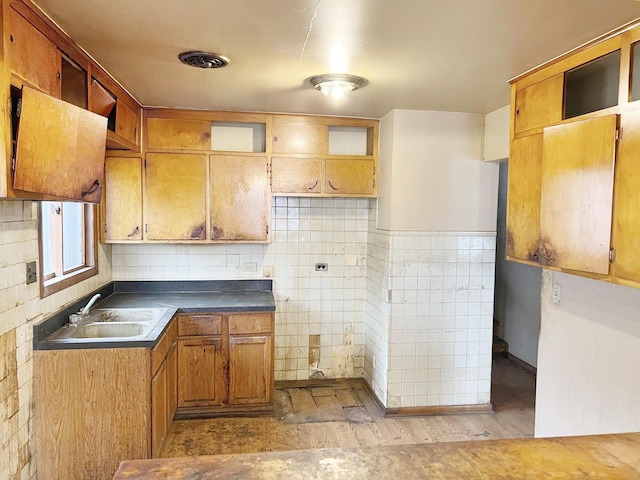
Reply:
x=424 y=411
x=316 y=382
x=211 y=412
x=522 y=363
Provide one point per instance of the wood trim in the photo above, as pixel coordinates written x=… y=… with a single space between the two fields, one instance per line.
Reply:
x=438 y=410
x=579 y=49
x=522 y=363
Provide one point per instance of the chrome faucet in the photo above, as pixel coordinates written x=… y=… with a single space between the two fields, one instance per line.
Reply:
x=93 y=300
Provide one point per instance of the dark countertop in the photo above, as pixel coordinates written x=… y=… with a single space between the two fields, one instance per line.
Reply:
x=603 y=457
x=181 y=296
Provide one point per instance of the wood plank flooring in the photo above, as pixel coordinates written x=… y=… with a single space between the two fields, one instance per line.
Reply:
x=344 y=415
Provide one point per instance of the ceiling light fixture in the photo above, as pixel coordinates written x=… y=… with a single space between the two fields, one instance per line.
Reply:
x=337 y=84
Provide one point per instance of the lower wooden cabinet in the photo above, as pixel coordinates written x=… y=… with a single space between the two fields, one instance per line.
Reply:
x=201 y=372
x=225 y=362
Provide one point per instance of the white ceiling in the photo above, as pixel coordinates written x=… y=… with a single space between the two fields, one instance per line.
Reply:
x=452 y=55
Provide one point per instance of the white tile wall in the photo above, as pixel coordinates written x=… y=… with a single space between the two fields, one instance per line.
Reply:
x=305 y=231
x=21 y=308
x=429 y=316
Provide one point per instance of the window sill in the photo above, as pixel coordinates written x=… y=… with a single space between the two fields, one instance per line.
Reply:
x=56 y=284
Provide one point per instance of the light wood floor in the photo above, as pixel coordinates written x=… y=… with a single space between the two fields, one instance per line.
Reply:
x=344 y=415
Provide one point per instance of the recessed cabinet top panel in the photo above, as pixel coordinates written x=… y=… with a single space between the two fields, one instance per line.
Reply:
x=178 y=134
x=593 y=86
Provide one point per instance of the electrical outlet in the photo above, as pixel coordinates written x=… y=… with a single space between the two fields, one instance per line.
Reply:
x=322 y=267
x=32 y=274
x=556 y=293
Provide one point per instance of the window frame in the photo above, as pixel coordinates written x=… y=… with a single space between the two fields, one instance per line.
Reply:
x=50 y=285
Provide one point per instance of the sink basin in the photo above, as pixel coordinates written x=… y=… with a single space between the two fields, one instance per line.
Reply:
x=115 y=329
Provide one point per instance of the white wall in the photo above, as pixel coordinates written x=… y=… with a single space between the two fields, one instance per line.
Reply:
x=496 y=134
x=588 y=358
x=438 y=181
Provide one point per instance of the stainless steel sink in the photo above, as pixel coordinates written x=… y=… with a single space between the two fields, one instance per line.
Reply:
x=111 y=325
x=115 y=329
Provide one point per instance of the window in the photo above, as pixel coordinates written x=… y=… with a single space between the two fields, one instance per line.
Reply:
x=67 y=245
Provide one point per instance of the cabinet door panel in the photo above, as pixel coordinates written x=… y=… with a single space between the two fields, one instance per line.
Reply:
x=175 y=197
x=540 y=104
x=60 y=149
x=240 y=200
x=178 y=134
x=250 y=377
x=126 y=122
x=302 y=138
x=34 y=57
x=577 y=194
x=296 y=175
x=201 y=375
x=123 y=198
x=159 y=409
x=172 y=382
x=350 y=177
x=248 y=323
x=627 y=199
x=523 y=201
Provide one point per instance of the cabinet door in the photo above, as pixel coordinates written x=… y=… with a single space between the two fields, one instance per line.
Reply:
x=159 y=409
x=299 y=137
x=250 y=370
x=577 y=194
x=178 y=134
x=123 y=198
x=627 y=199
x=172 y=382
x=126 y=122
x=540 y=104
x=350 y=177
x=34 y=58
x=240 y=200
x=523 y=198
x=201 y=372
x=297 y=175
x=60 y=149
x=175 y=196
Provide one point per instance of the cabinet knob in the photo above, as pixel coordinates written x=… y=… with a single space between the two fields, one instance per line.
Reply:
x=58 y=75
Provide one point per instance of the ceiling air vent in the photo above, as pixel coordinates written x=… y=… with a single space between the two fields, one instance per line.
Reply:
x=203 y=59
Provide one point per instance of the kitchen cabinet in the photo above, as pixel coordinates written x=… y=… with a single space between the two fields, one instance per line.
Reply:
x=297 y=175
x=523 y=203
x=122 y=205
x=350 y=177
x=240 y=200
x=67 y=162
x=175 y=197
x=163 y=387
x=96 y=407
x=299 y=135
x=573 y=202
x=225 y=363
x=577 y=194
x=33 y=57
x=178 y=134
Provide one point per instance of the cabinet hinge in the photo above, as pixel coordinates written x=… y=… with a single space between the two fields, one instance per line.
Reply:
x=145 y=163
x=267 y=229
x=618 y=134
x=612 y=255
x=145 y=228
x=13 y=164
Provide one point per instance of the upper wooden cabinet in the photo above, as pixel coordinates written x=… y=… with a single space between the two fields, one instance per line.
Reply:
x=350 y=177
x=573 y=184
x=297 y=175
x=240 y=200
x=298 y=135
x=175 y=197
x=122 y=206
x=33 y=57
x=40 y=57
x=62 y=157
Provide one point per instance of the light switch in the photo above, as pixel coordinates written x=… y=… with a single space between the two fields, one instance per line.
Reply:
x=32 y=274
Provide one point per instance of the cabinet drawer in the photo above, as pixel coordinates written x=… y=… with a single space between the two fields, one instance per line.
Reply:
x=159 y=352
x=249 y=323
x=190 y=325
